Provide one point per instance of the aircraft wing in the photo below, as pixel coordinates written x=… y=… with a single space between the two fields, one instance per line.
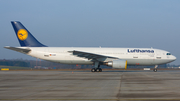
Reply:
x=90 y=55
x=21 y=50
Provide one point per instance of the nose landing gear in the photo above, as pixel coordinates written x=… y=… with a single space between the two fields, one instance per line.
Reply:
x=155 y=68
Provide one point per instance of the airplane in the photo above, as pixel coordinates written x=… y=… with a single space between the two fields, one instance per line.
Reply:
x=113 y=57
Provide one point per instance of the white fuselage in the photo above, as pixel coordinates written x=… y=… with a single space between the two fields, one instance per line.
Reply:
x=134 y=56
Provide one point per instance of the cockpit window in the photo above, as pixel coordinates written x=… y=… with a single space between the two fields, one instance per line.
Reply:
x=168 y=54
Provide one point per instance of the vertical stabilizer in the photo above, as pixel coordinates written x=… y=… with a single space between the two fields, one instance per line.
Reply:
x=26 y=39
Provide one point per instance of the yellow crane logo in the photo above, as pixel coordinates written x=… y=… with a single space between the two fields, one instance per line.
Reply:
x=22 y=34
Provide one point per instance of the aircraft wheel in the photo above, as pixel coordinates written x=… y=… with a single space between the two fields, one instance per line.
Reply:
x=155 y=70
x=93 y=70
x=100 y=70
x=97 y=69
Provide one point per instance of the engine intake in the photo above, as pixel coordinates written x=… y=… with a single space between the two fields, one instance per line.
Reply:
x=117 y=64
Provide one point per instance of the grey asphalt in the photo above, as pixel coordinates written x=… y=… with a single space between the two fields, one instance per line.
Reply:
x=87 y=86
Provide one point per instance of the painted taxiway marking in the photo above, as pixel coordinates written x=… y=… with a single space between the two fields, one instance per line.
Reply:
x=99 y=99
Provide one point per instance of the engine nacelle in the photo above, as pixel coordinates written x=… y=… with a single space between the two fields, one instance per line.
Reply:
x=117 y=64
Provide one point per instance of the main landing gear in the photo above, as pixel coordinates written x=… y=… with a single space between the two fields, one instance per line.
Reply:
x=97 y=67
x=96 y=70
x=155 y=68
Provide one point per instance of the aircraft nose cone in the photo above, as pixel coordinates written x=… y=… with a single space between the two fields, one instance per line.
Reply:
x=174 y=58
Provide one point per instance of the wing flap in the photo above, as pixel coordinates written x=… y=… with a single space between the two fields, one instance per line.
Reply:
x=89 y=56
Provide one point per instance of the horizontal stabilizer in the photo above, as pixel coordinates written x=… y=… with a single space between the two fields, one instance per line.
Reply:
x=18 y=49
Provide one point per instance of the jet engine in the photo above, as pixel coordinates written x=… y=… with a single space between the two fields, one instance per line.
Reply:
x=117 y=63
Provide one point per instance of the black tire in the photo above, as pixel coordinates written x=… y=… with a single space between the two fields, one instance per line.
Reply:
x=155 y=70
x=100 y=70
x=93 y=70
x=97 y=69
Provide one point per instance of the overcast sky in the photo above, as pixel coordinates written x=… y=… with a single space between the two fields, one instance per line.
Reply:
x=93 y=23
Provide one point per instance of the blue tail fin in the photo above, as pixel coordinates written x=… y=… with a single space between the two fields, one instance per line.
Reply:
x=26 y=39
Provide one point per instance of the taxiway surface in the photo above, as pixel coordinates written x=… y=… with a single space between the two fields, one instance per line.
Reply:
x=86 y=86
